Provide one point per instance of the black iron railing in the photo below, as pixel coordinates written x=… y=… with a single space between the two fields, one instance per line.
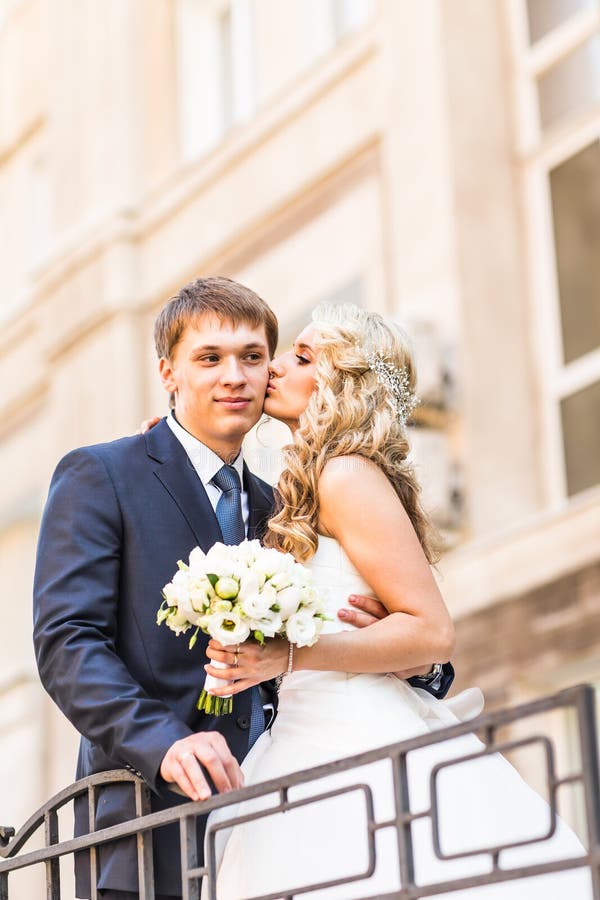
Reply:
x=579 y=699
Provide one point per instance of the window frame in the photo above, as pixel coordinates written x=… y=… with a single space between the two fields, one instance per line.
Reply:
x=235 y=104
x=537 y=154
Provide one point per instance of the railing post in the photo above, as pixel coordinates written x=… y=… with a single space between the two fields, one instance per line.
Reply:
x=404 y=829
x=144 y=844
x=588 y=739
x=93 y=850
x=3 y=885
x=52 y=865
x=190 y=889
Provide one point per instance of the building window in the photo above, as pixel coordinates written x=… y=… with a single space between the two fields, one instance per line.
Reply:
x=557 y=62
x=572 y=87
x=215 y=70
x=575 y=195
x=544 y=16
x=559 y=49
x=6 y=7
x=575 y=192
x=580 y=418
x=349 y=15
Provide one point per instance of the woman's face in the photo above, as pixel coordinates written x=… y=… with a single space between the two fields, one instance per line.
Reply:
x=292 y=379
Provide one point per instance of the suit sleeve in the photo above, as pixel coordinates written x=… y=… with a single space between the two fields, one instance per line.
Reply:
x=76 y=595
x=438 y=686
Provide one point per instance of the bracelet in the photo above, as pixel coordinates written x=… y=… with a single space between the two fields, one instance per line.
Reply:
x=290 y=667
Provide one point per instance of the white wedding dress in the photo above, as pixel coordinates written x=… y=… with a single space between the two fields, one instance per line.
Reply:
x=324 y=716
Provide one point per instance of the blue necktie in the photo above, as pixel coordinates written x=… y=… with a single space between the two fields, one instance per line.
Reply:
x=229 y=507
x=231 y=520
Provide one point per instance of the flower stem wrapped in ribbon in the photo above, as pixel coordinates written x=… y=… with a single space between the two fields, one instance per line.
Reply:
x=239 y=593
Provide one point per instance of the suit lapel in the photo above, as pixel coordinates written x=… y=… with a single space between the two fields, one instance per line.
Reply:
x=260 y=503
x=178 y=476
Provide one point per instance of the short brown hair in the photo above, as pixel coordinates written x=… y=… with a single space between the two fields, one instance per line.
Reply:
x=216 y=296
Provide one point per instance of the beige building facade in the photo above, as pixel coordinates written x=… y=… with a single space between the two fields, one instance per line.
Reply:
x=436 y=160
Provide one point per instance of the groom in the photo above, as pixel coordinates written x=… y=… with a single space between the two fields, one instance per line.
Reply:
x=118 y=518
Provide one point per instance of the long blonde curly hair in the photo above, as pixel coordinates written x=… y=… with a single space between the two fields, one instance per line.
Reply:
x=349 y=413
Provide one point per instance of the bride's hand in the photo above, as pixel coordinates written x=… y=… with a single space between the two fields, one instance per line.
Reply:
x=366 y=611
x=147 y=424
x=247 y=664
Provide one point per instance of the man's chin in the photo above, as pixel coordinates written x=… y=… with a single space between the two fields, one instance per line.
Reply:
x=240 y=423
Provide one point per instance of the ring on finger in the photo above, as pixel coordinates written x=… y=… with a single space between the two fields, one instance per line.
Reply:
x=235 y=660
x=186 y=754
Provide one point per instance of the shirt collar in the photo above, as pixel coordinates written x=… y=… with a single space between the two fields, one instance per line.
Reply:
x=205 y=461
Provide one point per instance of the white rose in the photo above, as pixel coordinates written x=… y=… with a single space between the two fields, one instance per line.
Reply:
x=172 y=593
x=281 y=580
x=227 y=588
x=289 y=600
x=200 y=592
x=176 y=592
x=197 y=561
x=248 y=551
x=255 y=606
x=220 y=561
x=270 y=625
x=301 y=577
x=258 y=605
x=180 y=578
x=193 y=612
x=302 y=629
x=177 y=621
x=228 y=628
x=271 y=562
x=250 y=584
x=220 y=606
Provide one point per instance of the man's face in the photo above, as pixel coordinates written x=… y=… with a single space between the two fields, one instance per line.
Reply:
x=218 y=372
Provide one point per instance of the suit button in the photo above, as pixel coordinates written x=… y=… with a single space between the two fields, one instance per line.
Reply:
x=244 y=722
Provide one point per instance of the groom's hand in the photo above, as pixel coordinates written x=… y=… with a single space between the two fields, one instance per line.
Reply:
x=366 y=611
x=183 y=762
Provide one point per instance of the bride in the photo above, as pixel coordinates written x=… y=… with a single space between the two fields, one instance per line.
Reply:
x=349 y=507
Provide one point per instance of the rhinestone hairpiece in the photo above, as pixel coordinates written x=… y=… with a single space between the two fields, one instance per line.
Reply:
x=397 y=383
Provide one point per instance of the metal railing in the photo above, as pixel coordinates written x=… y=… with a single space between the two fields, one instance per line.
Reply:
x=579 y=699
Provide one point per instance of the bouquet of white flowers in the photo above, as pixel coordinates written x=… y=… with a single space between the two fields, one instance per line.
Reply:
x=236 y=593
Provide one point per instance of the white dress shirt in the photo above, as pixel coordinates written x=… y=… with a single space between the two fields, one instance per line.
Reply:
x=206 y=464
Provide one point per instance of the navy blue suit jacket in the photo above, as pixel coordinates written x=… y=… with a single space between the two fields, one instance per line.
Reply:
x=118 y=517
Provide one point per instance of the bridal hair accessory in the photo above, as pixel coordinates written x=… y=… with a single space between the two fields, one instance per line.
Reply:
x=396 y=381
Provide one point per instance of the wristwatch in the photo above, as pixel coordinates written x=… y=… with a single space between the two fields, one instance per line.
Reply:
x=436 y=670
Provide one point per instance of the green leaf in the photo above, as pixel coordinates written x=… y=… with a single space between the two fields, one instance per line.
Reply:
x=276 y=608
x=213 y=579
